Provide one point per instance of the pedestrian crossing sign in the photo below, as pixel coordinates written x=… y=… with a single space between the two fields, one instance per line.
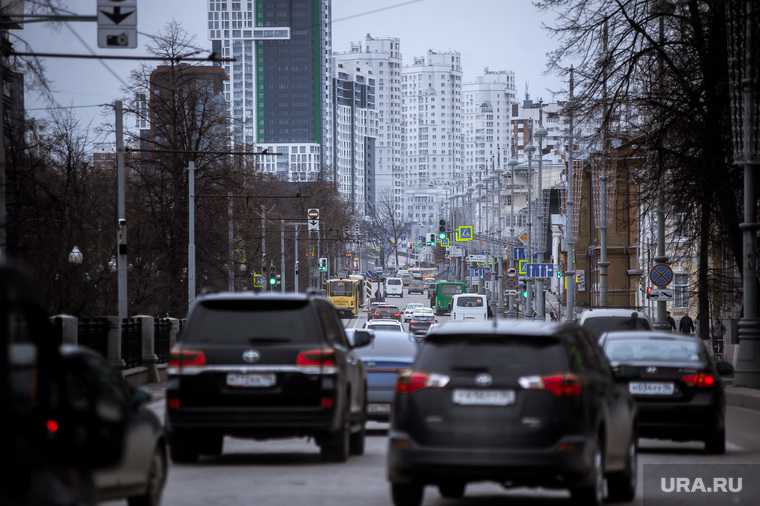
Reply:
x=465 y=233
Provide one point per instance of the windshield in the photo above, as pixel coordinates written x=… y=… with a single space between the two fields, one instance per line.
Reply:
x=601 y=324
x=393 y=281
x=470 y=302
x=340 y=288
x=653 y=350
x=449 y=289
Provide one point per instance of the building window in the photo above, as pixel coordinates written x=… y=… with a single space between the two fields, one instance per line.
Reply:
x=681 y=291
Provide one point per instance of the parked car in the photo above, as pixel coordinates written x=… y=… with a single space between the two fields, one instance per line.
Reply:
x=385 y=358
x=599 y=321
x=517 y=403
x=140 y=475
x=421 y=322
x=265 y=366
x=469 y=306
x=416 y=286
x=409 y=310
x=390 y=325
x=676 y=384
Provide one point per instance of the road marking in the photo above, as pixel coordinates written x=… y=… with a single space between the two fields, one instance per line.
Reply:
x=733 y=447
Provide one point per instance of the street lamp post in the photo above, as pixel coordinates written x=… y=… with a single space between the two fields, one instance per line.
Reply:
x=530 y=148
x=540 y=133
x=513 y=163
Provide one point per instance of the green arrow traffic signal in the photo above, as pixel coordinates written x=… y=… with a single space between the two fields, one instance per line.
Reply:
x=525 y=294
x=442 y=236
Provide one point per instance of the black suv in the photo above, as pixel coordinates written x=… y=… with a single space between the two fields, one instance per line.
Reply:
x=517 y=403
x=265 y=366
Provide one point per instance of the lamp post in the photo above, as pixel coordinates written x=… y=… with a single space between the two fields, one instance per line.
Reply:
x=513 y=163
x=530 y=149
x=540 y=133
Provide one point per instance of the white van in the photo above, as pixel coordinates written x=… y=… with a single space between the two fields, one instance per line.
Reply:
x=469 y=306
x=394 y=287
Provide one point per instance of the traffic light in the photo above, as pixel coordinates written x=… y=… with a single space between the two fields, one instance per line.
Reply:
x=650 y=292
x=323 y=264
x=431 y=239
x=523 y=290
x=272 y=278
x=442 y=230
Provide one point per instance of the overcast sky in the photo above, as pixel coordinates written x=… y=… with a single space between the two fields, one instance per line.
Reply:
x=499 y=34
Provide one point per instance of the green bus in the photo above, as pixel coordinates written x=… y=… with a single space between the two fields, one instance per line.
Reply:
x=441 y=296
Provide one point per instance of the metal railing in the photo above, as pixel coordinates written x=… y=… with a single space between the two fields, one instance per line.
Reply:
x=131 y=342
x=93 y=333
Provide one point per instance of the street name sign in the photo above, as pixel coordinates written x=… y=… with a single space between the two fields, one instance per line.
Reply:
x=117 y=24
x=477 y=259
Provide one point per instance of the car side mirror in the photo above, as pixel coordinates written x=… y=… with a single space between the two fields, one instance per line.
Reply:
x=724 y=368
x=363 y=338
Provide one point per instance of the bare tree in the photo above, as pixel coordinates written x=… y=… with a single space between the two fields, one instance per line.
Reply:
x=386 y=228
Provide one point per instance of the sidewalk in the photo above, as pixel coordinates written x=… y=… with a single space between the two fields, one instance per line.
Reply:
x=743 y=397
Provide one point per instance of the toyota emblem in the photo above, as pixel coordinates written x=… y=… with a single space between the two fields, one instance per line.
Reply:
x=251 y=356
x=484 y=380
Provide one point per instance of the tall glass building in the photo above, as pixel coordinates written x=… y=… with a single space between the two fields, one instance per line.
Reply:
x=279 y=86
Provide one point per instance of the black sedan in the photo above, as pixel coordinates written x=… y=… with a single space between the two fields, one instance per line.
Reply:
x=676 y=384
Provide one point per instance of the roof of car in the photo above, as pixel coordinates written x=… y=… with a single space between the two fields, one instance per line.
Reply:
x=503 y=327
x=647 y=334
x=291 y=296
x=383 y=320
x=608 y=311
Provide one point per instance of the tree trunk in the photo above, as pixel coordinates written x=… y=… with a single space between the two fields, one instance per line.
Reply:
x=703 y=283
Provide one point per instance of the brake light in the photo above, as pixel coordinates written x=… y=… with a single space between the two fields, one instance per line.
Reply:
x=173 y=403
x=699 y=380
x=396 y=315
x=559 y=385
x=409 y=382
x=324 y=357
x=179 y=357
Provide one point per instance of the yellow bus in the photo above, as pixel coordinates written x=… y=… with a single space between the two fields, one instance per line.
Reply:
x=347 y=295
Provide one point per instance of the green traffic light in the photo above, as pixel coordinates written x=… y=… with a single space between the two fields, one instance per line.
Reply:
x=442 y=236
x=272 y=281
x=525 y=294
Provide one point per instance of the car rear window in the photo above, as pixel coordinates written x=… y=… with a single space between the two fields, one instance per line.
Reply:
x=450 y=289
x=470 y=302
x=394 y=281
x=422 y=317
x=513 y=355
x=661 y=349
x=601 y=324
x=384 y=326
x=241 y=321
x=389 y=345
x=341 y=288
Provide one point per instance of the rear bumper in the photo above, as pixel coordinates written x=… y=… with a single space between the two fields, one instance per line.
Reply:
x=545 y=467
x=682 y=421
x=254 y=422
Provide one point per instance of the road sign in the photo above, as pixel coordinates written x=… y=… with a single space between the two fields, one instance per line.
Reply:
x=580 y=280
x=456 y=252
x=539 y=271
x=662 y=294
x=511 y=272
x=661 y=275
x=258 y=280
x=117 y=24
x=312 y=214
x=518 y=253
x=465 y=233
x=523 y=238
x=521 y=265
x=477 y=259
x=313 y=225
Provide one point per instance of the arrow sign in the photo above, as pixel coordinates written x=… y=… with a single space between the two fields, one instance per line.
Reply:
x=313 y=225
x=117 y=16
x=117 y=24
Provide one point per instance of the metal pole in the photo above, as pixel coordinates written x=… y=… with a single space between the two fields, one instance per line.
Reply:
x=603 y=262
x=263 y=238
x=3 y=202
x=661 y=322
x=319 y=255
x=282 y=255
x=529 y=301
x=230 y=245
x=295 y=260
x=540 y=294
x=569 y=221
x=121 y=216
x=190 y=233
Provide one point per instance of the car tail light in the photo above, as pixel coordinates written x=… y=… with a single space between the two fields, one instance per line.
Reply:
x=324 y=357
x=699 y=380
x=409 y=382
x=180 y=357
x=173 y=403
x=396 y=315
x=327 y=402
x=559 y=385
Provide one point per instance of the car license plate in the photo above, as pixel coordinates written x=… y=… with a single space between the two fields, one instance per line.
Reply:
x=379 y=409
x=651 y=388
x=251 y=380
x=484 y=397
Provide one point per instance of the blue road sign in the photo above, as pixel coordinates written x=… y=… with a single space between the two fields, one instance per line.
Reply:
x=661 y=275
x=539 y=271
x=518 y=253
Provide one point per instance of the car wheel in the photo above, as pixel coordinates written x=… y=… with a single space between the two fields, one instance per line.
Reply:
x=621 y=487
x=181 y=450
x=155 y=482
x=407 y=494
x=356 y=441
x=592 y=492
x=336 y=446
x=715 y=444
x=452 y=490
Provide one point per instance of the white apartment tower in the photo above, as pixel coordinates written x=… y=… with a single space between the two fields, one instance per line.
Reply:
x=281 y=107
x=487 y=122
x=432 y=126
x=382 y=57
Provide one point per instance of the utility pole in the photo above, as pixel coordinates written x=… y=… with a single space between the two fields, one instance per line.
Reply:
x=190 y=233
x=263 y=237
x=295 y=260
x=513 y=163
x=230 y=245
x=530 y=148
x=121 y=215
x=4 y=44
x=282 y=255
x=603 y=261
x=540 y=134
x=569 y=221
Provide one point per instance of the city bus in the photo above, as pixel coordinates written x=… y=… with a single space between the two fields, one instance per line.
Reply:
x=347 y=295
x=441 y=296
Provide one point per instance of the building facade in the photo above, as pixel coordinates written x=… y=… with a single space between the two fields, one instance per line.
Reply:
x=278 y=92
x=355 y=128
x=382 y=56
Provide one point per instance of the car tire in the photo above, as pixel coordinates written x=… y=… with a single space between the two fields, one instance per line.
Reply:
x=715 y=443
x=356 y=442
x=336 y=446
x=591 y=493
x=621 y=487
x=155 y=482
x=181 y=450
x=407 y=494
x=452 y=490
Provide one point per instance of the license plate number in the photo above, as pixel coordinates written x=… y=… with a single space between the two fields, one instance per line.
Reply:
x=379 y=408
x=251 y=380
x=484 y=397
x=651 y=388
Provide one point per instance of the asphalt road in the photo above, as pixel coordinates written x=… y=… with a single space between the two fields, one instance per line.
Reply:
x=289 y=472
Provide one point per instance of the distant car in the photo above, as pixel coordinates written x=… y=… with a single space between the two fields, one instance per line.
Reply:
x=389 y=354
x=421 y=322
x=394 y=287
x=409 y=310
x=519 y=403
x=386 y=311
x=599 y=321
x=385 y=324
x=676 y=384
x=469 y=306
x=265 y=366
x=416 y=286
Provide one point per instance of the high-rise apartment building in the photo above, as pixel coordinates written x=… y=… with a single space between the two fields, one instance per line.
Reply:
x=278 y=91
x=487 y=122
x=382 y=56
x=355 y=133
x=432 y=126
